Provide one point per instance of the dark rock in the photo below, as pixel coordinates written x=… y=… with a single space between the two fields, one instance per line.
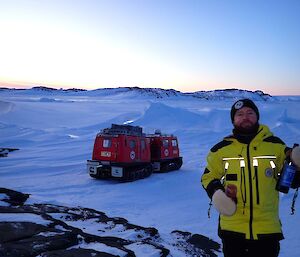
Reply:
x=4 y=151
x=79 y=252
x=13 y=231
x=15 y=198
x=62 y=228
x=204 y=243
x=195 y=244
x=37 y=244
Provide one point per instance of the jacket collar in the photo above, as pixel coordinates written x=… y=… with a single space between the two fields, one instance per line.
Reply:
x=262 y=133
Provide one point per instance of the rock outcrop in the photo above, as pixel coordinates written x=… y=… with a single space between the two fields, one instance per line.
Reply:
x=48 y=230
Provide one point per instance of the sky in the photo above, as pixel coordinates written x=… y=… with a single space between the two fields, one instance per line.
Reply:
x=185 y=45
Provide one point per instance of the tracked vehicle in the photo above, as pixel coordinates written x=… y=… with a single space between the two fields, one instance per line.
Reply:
x=125 y=153
x=164 y=152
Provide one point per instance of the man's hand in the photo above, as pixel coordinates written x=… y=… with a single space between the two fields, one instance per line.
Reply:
x=231 y=191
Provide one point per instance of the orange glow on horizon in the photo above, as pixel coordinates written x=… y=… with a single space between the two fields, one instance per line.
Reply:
x=182 y=88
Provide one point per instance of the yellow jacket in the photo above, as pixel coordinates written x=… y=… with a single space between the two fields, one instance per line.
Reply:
x=254 y=169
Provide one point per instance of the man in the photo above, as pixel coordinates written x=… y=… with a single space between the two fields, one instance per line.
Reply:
x=240 y=177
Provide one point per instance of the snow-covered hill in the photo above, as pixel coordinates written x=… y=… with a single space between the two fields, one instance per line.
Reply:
x=232 y=94
x=144 y=92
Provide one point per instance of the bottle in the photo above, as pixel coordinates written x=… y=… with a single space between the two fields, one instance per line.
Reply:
x=287 y=176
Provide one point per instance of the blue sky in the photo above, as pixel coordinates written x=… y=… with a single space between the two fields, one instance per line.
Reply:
x=187 y=45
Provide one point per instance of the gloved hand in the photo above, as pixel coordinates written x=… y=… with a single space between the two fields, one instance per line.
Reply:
x=295 y=156
x=224 y=204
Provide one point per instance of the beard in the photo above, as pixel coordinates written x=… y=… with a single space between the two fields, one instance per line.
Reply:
x=246 y=128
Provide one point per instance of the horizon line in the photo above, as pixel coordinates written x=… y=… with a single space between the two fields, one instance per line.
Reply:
x=11 y=87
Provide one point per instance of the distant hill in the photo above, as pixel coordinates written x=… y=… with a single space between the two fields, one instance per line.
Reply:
x=146 y=92
x=232 y=93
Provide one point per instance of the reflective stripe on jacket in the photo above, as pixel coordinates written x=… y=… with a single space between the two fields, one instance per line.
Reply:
x=254 y=169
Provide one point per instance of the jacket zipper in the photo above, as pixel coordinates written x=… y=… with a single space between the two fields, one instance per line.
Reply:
x=251 y=194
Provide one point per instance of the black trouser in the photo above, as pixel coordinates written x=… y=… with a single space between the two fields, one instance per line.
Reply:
x=235 y=247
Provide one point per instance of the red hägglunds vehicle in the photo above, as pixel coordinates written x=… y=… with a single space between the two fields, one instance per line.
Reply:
x=124 y=152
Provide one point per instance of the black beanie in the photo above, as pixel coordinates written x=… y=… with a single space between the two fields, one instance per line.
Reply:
x=243 y=103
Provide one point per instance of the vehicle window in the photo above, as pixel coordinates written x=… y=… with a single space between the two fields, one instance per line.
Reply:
x=132 y=144
x=174 y=142
x=143 y=144
x=165 y=143
x=106 y=143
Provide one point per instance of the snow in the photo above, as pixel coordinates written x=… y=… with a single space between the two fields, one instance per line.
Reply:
x=55 y=133
x=93 y=227
x=101 y=248
x=23 y=217
x=143 y=250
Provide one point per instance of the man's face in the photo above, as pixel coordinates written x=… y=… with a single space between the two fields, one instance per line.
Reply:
x=245 y=119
